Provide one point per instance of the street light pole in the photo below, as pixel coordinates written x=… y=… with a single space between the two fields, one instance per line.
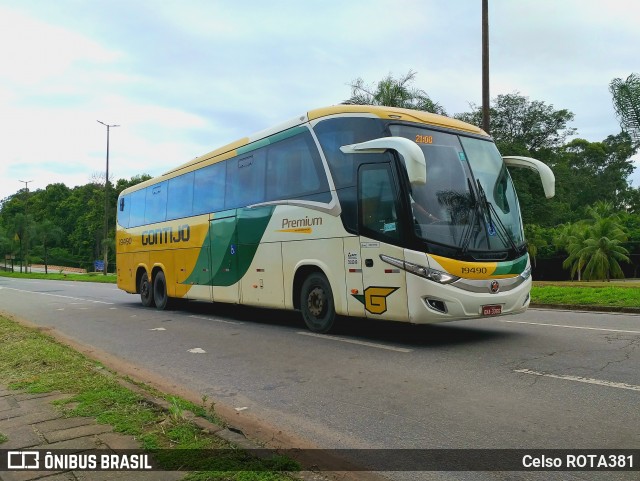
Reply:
x=485 y=66
x=106 y=202
x=25 y=234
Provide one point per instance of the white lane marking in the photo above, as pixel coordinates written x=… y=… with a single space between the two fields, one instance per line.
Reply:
x=570 y=327
x=587 y=380
x=158 y=329
x=353 y=341
x=217 y=320
x=197 y=350
x=58 y=295
x=241 y=409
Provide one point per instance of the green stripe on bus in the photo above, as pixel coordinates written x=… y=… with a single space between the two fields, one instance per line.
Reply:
x=511 y=267
x=229 y=248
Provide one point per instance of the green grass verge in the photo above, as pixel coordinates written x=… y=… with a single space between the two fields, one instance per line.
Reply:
x=89 y=277
x=35 y=362
x=3 y=438
x=611 y=296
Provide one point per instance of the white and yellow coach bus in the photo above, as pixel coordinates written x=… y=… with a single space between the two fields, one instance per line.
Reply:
x=365 y=211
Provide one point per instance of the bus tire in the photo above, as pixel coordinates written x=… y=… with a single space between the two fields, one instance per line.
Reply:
x=146 y=291
x=160 y=291
x=316 y=303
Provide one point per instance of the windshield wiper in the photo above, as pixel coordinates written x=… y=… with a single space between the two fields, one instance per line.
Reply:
x=466 y=235
x=489 y=209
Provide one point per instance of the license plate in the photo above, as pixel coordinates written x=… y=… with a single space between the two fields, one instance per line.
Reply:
x=491 y=310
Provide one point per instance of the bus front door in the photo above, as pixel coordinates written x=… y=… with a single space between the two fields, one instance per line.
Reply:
x=385 y=292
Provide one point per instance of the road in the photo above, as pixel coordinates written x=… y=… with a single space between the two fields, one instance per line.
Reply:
x=543 y=379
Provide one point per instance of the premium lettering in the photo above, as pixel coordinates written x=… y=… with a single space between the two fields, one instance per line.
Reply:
x=304 y=222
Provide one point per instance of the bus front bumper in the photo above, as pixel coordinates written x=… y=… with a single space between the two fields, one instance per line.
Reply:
x=431 y=302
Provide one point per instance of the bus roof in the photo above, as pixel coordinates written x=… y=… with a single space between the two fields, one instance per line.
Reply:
x=383 y=112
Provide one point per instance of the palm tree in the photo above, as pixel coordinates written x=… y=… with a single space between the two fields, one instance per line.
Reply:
x=626 y=101
x=393 y=93
x=571 y=239
x=603 y=251
x=535 y=240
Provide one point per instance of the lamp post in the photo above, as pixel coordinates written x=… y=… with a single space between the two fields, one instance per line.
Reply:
x=106 y=202
x=485 y=66
x=25 y=235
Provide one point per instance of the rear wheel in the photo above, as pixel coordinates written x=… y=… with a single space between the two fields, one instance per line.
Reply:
x=160 y=291
x=146 y=291
x=316 y=303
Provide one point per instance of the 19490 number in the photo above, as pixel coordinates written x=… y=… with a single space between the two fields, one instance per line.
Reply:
x=474 y=270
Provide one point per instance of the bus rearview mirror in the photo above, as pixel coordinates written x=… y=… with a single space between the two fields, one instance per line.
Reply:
x=412 y=154
x=546 y=174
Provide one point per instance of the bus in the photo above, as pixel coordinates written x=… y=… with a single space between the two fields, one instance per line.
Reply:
x=351 y=210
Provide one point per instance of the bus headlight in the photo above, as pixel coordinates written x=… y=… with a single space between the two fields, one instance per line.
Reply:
x=526 y=273
x=422 y=271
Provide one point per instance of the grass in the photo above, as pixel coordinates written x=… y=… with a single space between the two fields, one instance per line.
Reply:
x=592 y=294
x=89 y=277
x=3 y=438
x=35 y=362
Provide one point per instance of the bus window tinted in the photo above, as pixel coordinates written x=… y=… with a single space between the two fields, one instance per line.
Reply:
x=180 y=192
x=136 y=216
x=245 y=180
x=294 y=169
x=156 y=203
x=208 y=189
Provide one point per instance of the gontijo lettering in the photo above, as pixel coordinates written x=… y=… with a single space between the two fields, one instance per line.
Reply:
x=166 y=235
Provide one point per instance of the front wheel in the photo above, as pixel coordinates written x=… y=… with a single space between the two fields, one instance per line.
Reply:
x=146 y=291
x=316 y=303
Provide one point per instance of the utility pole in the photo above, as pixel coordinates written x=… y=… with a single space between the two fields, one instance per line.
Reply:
x=106 y=202
x=485 y=66
x=25 y=234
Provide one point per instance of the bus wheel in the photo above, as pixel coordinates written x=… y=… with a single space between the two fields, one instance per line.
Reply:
x=316 y=303
x=160 y=291
x=146 y=291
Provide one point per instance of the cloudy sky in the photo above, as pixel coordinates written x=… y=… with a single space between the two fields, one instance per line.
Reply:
x=184 y=77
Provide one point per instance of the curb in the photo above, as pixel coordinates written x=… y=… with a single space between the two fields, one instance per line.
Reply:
x=587 y=308
x=230 y=434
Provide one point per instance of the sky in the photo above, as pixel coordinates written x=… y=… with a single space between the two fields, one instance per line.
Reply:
x=182 y=78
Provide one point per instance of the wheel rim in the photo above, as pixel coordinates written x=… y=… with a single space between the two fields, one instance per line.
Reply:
x=317 y=301
x=145 y=289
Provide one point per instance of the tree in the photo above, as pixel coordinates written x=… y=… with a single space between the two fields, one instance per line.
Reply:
x=626 y=102
x=595 y=245
x=20 y=226
x=47 y=233
x=571 y=239
x=535 y=240
x=521 y=126
x=393 y=93
x=603 y=250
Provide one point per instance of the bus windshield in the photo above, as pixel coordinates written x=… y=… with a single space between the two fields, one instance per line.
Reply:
x=469 y=201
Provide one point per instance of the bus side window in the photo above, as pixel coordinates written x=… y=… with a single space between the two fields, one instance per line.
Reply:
x=123 y=210
x=208 y=189
x=180 y=196
x=294 y=169
x=136 y=215
x=377 y=199
x=245 y=180
x=156 y=203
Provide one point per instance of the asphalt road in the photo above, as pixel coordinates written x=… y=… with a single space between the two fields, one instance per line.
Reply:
x=544 y=379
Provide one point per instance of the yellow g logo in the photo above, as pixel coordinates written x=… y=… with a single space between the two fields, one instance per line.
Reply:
x=375 y=298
